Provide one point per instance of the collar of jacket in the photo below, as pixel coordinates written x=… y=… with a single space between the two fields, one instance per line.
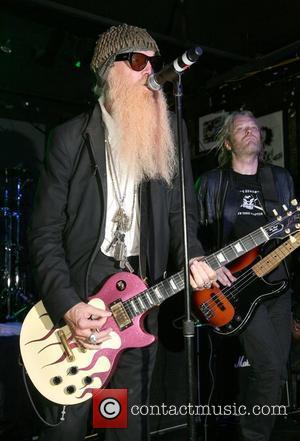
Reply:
x=95 y=138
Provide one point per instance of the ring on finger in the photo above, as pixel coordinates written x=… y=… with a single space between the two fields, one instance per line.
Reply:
x=92 y=339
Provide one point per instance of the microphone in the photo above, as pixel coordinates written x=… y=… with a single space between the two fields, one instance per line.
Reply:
x=170 y=72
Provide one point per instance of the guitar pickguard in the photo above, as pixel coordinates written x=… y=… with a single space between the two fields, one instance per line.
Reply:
x=46 y=360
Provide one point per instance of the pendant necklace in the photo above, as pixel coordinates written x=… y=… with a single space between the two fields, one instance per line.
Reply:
x=121 y=219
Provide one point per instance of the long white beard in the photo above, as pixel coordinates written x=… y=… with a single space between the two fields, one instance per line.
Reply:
x=144 y=141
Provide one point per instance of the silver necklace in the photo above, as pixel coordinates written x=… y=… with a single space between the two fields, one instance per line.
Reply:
x=121 y=219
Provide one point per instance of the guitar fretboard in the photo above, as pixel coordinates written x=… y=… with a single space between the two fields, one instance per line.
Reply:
x=236 y=249
x=272 y=260
x=157 y=294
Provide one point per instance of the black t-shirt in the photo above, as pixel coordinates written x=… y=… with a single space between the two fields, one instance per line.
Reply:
x=251 y=214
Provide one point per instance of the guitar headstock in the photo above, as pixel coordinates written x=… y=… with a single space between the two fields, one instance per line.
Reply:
x=286 y=223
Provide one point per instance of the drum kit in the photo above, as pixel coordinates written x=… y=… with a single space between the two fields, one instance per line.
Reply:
x=15 y=296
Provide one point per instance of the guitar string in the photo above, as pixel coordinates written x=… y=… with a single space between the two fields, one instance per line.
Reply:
x=244 y=275
x=239 y=284
x=143 y=295
x=258 y=232
x=287 y=253
x=210 y=303
x=249 y=238
x=231 y=248
x=237 y=291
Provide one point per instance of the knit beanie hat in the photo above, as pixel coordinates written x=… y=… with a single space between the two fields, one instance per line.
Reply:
x=118 y=40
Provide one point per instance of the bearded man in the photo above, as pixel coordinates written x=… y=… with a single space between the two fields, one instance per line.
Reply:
x=109 y=201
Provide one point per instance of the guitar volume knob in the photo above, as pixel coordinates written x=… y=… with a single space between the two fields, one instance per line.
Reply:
x=87 y=380
x=70 y=389
x=73 y=370
x=56 y=380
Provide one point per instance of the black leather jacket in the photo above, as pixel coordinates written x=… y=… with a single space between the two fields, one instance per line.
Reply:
x=277 y=188
x=68 y=222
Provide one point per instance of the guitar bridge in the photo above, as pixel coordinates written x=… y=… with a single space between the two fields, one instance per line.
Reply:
x=120 y=314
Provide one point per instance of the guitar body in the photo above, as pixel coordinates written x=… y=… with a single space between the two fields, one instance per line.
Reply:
x=46 y=360
x=229 y=309
x=65 y=373
x=247 y=300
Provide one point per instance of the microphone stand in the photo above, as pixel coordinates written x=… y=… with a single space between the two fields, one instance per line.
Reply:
x=188 y=323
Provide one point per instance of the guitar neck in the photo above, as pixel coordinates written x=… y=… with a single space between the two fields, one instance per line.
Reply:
x=157 y=294
x=272 y=260
x=237 y=248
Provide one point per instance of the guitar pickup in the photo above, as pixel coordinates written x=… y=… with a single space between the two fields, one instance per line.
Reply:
x=120 y=314
x=219 y=303
x=206 y=311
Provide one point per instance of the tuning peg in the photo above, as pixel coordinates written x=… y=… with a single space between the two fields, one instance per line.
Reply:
x=294 y=202
x=278 y=217
x=287 y=230
x=297 y=226
x=288 y=212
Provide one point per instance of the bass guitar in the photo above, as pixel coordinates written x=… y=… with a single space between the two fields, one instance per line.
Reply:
x=65 y=373
x=230 y=308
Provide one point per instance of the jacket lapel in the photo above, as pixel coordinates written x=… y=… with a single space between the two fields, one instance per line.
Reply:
x=96 y=138
x=95 y=129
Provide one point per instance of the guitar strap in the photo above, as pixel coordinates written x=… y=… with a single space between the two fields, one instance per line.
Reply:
x=271 y=201
x=269 y=190
x=144 y=229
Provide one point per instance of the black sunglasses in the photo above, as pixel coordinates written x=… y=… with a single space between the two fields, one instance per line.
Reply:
x=138 y=61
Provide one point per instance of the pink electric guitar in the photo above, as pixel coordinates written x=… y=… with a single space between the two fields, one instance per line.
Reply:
x=65 y=373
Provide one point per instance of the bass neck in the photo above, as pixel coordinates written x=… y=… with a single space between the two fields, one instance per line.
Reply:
x=273 y=259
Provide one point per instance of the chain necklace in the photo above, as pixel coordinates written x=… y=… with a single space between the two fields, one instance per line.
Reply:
x=121 y=219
